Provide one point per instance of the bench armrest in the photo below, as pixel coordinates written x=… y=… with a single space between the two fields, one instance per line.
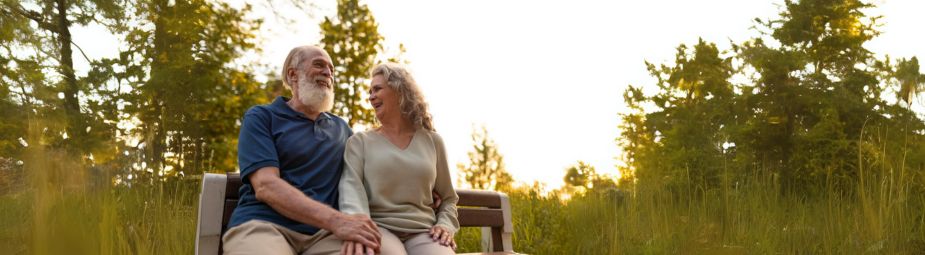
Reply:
x=211 y=208
x=508 y=230
x=491 y=211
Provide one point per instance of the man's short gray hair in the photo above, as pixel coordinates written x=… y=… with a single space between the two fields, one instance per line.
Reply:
x=410 y=100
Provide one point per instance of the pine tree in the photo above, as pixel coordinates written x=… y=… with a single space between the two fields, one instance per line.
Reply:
x=485 y=169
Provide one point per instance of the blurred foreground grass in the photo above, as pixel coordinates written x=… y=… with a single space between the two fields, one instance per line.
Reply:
x=52 y=205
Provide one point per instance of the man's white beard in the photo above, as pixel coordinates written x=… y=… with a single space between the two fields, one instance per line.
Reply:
x=314 y=96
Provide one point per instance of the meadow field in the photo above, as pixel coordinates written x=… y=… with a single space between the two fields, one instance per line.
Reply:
x=55 y=206
x=805 y=136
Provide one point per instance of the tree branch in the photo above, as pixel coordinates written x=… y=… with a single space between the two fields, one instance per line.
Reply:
x=33 y=15
x=82 y=52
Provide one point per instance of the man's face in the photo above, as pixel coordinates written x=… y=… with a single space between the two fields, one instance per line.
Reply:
x=320 y=69
x=315 y=84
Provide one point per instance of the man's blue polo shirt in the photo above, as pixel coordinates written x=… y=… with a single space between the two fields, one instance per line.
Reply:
x=309 y=155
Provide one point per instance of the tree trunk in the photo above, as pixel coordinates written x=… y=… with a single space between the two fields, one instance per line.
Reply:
x=156 y=121
x=75 y=127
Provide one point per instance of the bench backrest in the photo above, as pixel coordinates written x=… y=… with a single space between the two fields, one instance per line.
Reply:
x=219 y=196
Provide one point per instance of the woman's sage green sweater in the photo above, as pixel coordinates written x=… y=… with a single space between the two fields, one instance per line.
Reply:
x=393 y=186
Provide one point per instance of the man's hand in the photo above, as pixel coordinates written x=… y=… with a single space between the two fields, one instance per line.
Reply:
x=357 y=228
x=354 y=248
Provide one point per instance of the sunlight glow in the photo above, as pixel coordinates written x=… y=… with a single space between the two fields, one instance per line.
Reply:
x=545 y=77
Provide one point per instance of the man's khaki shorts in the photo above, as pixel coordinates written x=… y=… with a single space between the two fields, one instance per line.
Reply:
x=262 y=237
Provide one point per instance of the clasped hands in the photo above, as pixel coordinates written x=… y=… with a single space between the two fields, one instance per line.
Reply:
x=438 y=233
x=361 y=236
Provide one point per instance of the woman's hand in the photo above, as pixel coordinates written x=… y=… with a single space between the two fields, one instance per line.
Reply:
x=355 y=248
x=442 y=236
x=437 y=200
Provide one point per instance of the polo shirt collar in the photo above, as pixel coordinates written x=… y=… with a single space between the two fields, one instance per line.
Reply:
x=279 y=106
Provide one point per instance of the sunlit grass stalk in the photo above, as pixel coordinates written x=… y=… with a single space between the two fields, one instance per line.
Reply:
x=881 y=214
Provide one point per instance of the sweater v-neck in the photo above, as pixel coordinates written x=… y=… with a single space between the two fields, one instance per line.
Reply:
x=399 y=148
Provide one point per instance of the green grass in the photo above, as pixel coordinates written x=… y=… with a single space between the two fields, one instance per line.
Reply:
x=884 y=217
x=68 y=209
x=64 y=208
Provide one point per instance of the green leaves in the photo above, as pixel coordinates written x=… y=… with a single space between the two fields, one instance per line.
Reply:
x=186 y=93
x=485 y=169
x=353 y=40
x=911 y=82
x=800 y=115
x=168 y=105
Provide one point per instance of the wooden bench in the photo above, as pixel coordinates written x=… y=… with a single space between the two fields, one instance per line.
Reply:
x=219 y=196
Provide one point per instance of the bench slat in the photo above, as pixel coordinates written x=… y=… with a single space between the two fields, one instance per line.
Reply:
x=480 y=217
x=230 y=204
x=478 y=198
x=233 y=186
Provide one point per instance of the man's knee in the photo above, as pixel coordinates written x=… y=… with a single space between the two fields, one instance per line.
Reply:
x=324 y=243
x=256 y=237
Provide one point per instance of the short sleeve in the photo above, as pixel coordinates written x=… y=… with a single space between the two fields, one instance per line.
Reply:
x=255 y=143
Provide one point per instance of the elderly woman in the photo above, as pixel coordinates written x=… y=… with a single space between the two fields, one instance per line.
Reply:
x=391 y=171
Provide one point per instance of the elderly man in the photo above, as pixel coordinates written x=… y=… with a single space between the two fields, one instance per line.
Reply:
x=290 y=153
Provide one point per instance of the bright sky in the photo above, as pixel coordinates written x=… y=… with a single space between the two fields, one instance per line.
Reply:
x=546 y=77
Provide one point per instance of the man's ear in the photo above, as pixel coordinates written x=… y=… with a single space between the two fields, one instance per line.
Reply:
x=292 y=78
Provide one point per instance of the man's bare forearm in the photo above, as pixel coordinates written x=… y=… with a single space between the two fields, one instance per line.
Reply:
x=289 y=201
x=293 y=204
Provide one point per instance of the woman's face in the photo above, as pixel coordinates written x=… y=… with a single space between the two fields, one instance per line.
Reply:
x=383 y=98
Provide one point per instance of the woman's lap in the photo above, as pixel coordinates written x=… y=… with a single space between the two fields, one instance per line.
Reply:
x=413 y=245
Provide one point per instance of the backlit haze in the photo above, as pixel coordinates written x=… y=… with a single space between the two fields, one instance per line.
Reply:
x=545 y=77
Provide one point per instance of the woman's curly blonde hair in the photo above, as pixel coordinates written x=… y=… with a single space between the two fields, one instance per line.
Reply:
x=411 y=100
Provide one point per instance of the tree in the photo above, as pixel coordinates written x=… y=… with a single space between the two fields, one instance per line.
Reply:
x=811 y=91
x=186 y=92
x=911 y=81
x=681 y=140
x=486 y=165
x=15 y=75
x=817 y=91
x=46 y=24
x=353 y=40
x=580 y=175
x=582 y=179
x=579 y=178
